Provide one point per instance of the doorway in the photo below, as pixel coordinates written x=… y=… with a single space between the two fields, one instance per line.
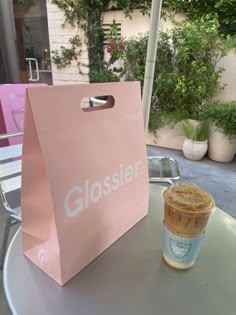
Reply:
x=31 y=24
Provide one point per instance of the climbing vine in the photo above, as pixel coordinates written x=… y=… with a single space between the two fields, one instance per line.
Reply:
x=87 y=15
x=66 y=55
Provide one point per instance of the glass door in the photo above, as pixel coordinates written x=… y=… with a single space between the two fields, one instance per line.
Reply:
x=32 y=37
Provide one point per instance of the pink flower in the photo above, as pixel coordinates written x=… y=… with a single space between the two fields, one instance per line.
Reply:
x=109 y=49
x=122 y=45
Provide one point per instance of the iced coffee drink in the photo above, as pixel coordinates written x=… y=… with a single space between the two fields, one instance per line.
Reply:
x=186 y=212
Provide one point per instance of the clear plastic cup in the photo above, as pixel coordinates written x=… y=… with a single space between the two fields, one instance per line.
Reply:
x=186 y=213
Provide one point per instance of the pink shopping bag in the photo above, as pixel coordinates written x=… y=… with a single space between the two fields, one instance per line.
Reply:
x=84 y=174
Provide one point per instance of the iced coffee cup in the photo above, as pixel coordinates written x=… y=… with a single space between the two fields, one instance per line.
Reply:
x=186 y=212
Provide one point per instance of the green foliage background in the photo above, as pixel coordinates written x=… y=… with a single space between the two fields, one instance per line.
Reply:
x=223 y=114
x=223 y=10
x=88 y=16
x=186 y=75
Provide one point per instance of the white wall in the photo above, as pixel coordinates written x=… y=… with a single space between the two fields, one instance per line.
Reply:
x=59 y=36
x=228 y=77
x=138 y=24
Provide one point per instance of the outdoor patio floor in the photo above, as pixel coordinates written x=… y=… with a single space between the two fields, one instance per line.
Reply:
x=218 y=178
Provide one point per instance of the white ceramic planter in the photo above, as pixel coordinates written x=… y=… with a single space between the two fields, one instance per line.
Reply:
x=221 y=149
x=194 y=150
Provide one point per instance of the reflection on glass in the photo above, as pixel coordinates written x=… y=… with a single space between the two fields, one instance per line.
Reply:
x=18 y=118
x=33 y=39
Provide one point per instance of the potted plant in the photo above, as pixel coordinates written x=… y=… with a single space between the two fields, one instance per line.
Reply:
x=222 y=130
x=195 y=143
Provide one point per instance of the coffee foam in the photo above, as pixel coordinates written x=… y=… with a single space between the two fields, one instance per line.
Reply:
x=188 y=197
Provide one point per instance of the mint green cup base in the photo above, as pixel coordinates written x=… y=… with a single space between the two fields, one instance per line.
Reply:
x=180 y=252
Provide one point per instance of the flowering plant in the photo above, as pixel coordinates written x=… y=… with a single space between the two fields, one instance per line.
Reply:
x=116 y=48
x=116 y=45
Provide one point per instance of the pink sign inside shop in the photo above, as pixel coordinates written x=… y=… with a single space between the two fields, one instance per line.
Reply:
x=12 y=104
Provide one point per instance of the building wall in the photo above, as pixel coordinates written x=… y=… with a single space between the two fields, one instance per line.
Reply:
x=59 y=36
x=138 y=24
x=228 y=77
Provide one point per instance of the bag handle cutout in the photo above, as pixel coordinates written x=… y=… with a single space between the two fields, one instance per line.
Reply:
x=94 y=103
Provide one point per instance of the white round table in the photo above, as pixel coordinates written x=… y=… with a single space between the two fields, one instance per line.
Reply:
x=131 y=277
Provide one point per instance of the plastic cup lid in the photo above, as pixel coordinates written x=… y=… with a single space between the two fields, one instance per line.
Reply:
x=189 y=197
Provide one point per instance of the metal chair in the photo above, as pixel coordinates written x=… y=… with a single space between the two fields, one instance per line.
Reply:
x=163 y=169
x=10 y=181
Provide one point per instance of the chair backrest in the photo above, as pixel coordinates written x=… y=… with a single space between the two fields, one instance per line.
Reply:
x=163 y=169
x=10 y=171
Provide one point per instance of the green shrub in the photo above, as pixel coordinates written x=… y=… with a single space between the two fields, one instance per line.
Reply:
x=223 y=114
x=194 y=131
x=191 y=77
x=103 y=73
x=186 y=76
x=224 y=10
x=160 y=119
x=135 y=58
